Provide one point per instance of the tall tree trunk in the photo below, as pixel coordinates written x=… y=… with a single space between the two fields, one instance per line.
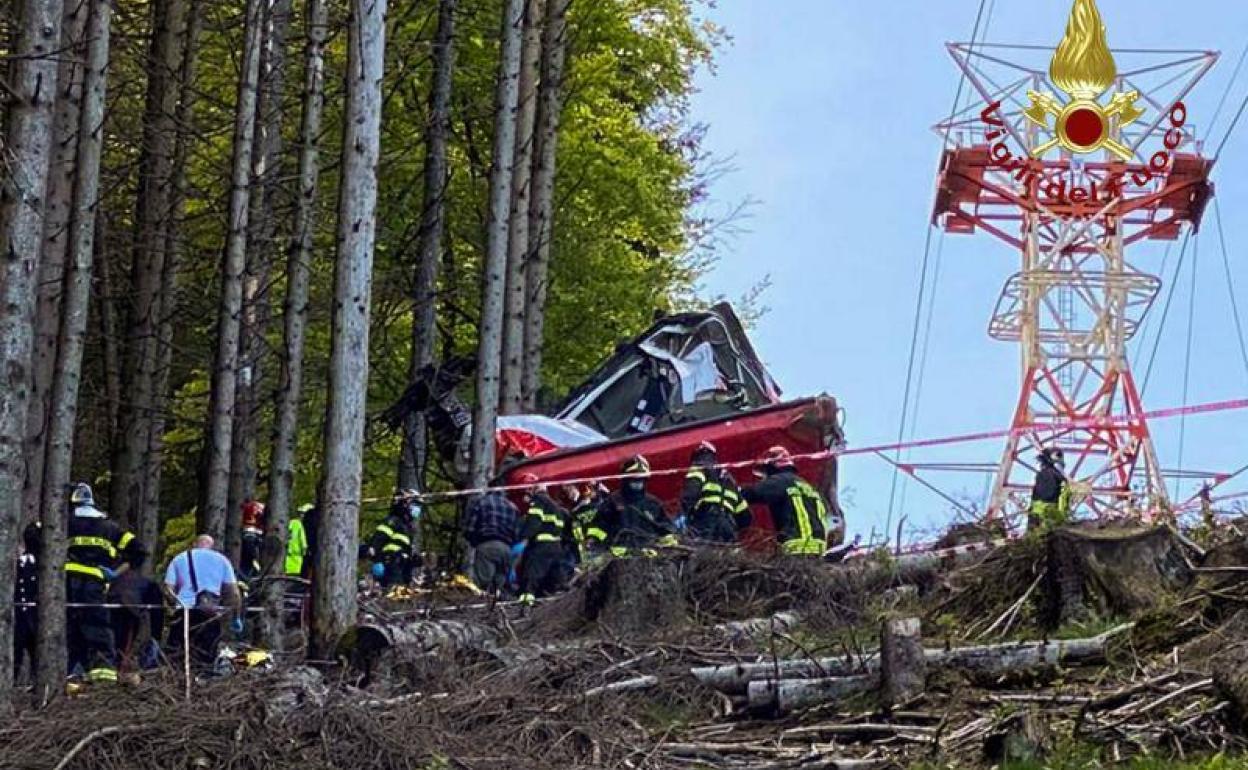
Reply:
x=76 y=298
x=224 y=375
x=429 y=249
x=295 y=314
x=153 y=212
x=149 y=516
x=28 y=137
x=52 y=256
x=493 y=274
x=106 y=312
x=518 y=230
x=542 y=207
x=334 y=597
x=266 y=169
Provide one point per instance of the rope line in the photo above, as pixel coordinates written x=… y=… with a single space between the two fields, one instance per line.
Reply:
x=1187 y=359
x=923 y=275
x=1230 y=285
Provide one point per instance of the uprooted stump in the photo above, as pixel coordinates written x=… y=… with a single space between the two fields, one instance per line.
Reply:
x=1110 y=572
x=636 y=596
x=1230 y=677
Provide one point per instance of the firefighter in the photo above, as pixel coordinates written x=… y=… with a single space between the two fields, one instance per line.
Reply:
x=633 y=519
x=99 y=551
x=797 y=508
x=391 y=547
x=590 y=537
x=544 y=530
x=253 y=539
x=1050 y=495
x=711 y=505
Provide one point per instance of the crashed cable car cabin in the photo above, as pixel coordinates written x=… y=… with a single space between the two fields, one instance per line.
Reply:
x=689 y=378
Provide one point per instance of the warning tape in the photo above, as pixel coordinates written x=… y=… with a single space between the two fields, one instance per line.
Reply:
x=1112 y=421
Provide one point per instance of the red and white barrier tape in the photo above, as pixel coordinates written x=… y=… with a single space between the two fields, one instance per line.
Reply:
x=1117 y=421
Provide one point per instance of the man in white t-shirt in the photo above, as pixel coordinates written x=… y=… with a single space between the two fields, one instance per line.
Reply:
x=202 y=580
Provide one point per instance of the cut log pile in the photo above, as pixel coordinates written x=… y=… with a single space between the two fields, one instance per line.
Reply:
x=757 y=666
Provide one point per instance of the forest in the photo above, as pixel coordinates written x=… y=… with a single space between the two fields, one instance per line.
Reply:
x=235 y=231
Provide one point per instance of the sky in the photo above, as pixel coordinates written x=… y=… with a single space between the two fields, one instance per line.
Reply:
x=824 y=110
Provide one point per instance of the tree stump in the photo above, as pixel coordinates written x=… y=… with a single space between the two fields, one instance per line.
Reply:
x=637 y=596
x=1021 y=738
x=1096 y=572
x=903 y=663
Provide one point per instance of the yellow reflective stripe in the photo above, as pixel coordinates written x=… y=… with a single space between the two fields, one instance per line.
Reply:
x=546 y=538
x=803 y=517
x=402 y=538
x=86 y=541
x=83 y=569
x=697 y=475
x=392 y=548
x=125 y=540
x=102 y=675
x=385 y=530
x=596 y=533
x=547 y=518
x=803 y=546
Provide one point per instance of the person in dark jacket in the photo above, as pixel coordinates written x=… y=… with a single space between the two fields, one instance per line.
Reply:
x=26 y=592
x=392 y=545
x=633 y=519
x=590 y=540
x=138 y=596
x=545 y=530
x=711 y=504
x=1050 y=495
x=797 y=508
x=490 y=523
x=252 y=540
x=99 y=552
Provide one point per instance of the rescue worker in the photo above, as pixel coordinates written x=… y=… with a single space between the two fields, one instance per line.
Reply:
x=490 y=524
x=253 y=540
x=392 y=545
x=297 y=542
x=1050 y=495
x=99 y=551
x=797 y=508
x=590 y=538
x=711 y=505
x=633 y=519
x=542 y=535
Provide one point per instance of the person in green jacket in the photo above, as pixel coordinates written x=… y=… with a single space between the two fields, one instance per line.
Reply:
x=297 y=542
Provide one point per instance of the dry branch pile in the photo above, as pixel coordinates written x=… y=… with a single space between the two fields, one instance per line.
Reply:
x=755 y=664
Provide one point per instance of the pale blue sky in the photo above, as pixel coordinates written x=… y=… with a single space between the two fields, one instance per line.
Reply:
x=824 y=108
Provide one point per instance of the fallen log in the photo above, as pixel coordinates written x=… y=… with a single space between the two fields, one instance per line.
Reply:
x=628 y=685
x=786 y=695
x=989 y=658
x=365 y=644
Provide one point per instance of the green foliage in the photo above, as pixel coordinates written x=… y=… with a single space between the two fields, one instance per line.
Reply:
x=624 y=242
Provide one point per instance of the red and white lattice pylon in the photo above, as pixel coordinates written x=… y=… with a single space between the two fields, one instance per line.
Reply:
x=1072 y=218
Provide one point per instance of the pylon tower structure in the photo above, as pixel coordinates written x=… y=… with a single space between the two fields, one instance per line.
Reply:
x=1072 y=187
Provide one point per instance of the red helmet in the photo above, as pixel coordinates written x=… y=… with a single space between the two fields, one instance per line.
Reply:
x=777 y=457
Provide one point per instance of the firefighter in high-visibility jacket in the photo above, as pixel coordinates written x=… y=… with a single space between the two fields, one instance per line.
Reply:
x=99 y=551
x=713 y=510
x=1050 y=495
x=544 y=531
x=591 y=538
x=797 y=508
x=634 y=519
x=392 y=547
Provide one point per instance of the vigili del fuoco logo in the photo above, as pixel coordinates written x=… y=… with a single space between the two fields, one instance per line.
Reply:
x=1083 y=67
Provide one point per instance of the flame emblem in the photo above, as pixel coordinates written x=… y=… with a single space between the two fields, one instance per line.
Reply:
x=1084 y=68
